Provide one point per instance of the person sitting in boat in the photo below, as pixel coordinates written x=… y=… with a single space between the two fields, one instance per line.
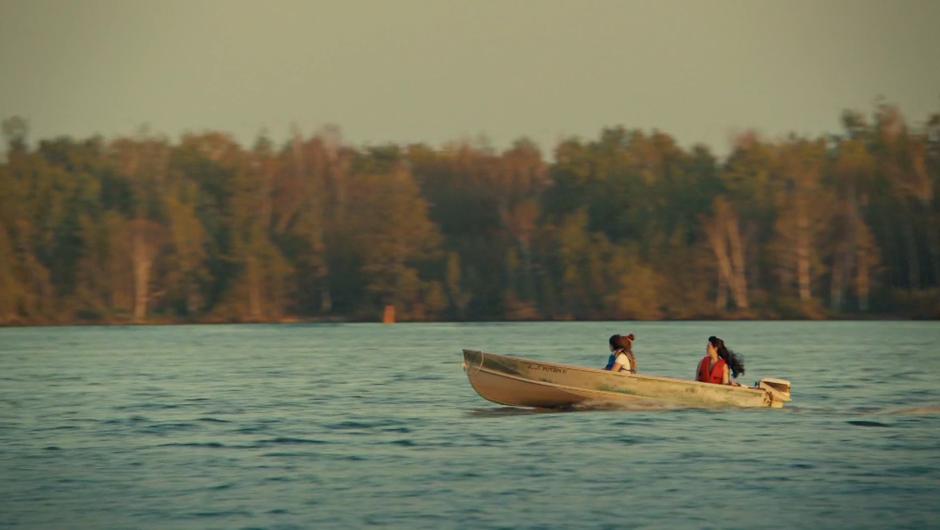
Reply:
x=621 y=354
x=714 y=367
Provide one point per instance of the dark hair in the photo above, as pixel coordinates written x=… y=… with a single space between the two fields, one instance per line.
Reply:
x=622 y=342
x=735 y=362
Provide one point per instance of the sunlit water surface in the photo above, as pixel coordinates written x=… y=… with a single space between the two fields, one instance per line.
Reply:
x=345 y=426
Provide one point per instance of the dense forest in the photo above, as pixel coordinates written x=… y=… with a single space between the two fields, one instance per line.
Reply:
x=626 y=226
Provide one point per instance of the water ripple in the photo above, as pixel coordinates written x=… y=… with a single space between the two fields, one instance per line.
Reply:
x=191 y=427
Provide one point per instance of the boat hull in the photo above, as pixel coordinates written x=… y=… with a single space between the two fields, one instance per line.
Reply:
x=520 y=382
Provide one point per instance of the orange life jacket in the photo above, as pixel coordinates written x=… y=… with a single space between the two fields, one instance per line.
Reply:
x=715 y=375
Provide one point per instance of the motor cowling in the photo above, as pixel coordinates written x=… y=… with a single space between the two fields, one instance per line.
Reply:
x=779 y=389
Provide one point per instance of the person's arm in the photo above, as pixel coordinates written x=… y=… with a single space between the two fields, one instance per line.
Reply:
x=725 y=380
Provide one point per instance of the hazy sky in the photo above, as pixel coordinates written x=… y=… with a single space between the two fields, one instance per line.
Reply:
x=436 y=71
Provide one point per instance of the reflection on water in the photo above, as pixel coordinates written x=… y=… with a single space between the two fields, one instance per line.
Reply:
x=586 y=406
x=497 y=411
x=345 y=426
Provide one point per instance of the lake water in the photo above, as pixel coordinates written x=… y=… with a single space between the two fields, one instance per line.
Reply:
x=346 y=426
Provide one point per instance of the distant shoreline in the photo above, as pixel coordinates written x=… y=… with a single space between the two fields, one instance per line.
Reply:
x=288 y=321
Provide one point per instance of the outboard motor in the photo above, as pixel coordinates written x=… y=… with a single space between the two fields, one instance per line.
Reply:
x=779 y=389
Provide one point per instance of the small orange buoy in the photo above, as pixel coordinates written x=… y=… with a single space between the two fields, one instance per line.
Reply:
x=389 y=316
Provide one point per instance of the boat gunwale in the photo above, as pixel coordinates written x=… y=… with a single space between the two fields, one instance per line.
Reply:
x=712 y=386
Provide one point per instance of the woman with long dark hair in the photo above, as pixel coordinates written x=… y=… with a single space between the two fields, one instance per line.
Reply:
x=718 y=361
x=621 y=354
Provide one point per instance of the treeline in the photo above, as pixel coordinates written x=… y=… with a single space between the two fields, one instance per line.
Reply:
x=627 y=226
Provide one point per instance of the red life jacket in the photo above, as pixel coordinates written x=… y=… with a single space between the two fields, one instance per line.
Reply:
x=715 y=375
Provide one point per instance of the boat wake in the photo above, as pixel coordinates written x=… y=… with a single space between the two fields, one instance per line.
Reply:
x=871 y=412
x=929 y=410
